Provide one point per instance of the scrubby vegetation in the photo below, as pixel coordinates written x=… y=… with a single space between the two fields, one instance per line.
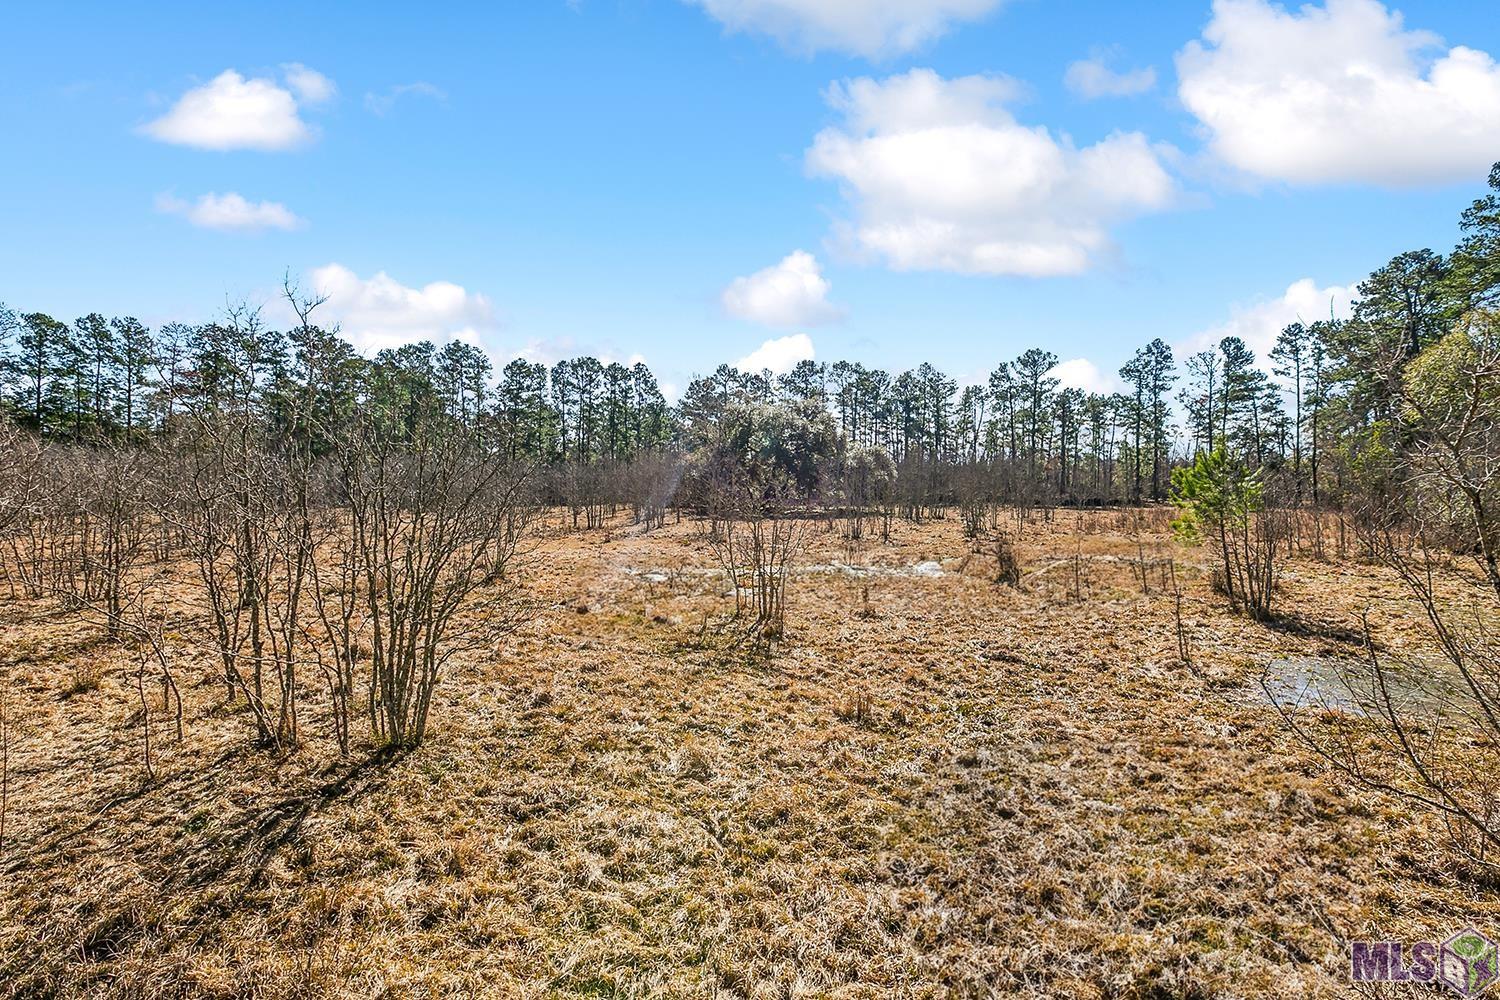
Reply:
x=325 y=675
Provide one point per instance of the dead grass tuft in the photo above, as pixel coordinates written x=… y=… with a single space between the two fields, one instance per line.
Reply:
x=86 y=674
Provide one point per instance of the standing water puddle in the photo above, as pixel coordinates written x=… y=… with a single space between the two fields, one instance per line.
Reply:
x=1349 y=684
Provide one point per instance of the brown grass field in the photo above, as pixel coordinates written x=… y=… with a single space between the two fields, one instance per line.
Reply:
x=953 y=789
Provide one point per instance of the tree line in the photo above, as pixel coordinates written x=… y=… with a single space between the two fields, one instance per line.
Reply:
x=1305 y=412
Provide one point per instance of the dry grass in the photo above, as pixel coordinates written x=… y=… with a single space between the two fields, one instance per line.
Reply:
x=938 y=787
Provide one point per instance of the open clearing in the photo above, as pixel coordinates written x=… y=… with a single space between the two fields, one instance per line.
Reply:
x=950 y=788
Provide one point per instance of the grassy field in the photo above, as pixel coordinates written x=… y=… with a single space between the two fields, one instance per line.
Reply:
x=939 y=786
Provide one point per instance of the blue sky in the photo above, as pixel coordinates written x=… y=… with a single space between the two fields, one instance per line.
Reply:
x=550 y=177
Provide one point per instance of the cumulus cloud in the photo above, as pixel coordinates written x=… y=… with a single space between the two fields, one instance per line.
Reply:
x=940 y=176
x=1340 y=92
x=1081 y=373
x=310 y=86
x=1092 y=78
x=861 y=27
x=1259 y=323
x=233 y=112
x=230 y=211
x=779 y=356
x=381 y=104
x=380 y=312
x=790 y=293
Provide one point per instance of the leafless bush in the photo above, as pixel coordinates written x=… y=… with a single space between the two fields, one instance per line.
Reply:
x=756 y=543
x=1260 y=560
x=21 y=488
x=1426 y=732
x=584 y=489
x=1453 y=469
x=106 y=502
x=429 y=524
x=976 y=508
x=141 y=616
x=245 y=513
x=865 y=479
x=1249 y=564
x=338 y=633
x=974 y=516
x=1430 y=732
x=651 y=481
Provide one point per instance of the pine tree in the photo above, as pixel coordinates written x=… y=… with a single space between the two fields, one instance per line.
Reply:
x=1238 y=394
x=806 y=380
x=1036 y=388
x=1290 y=357
x=135 y=354
x=100 y=359
x=1200 y=398
x=43 y=348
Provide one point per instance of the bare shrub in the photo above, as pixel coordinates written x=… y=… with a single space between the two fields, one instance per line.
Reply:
x=1427 y=733
x=865 y=478
x=1454 y=468
x=973 y=515
x=1430 y=732
x=430 y=522
x=244 y=512
x=756 y=542
x=584 y=490
x=975 y=507
x=756 y=552
x=141 y=619
x=20 y=495
x=651 y=482
x=108 y=505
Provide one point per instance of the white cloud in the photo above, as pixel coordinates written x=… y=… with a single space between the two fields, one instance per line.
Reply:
x=230 y=212
x=779 y=356
x=942 y=177
x=1092 y=78
x=791 y=293
x=1259 y=323
x=1339 y=92
x=310 y=86
x=381 y=104
x=1081 y=373
x=380 y=312
x=862 y=27
x=550 y=350
x=232 y=112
